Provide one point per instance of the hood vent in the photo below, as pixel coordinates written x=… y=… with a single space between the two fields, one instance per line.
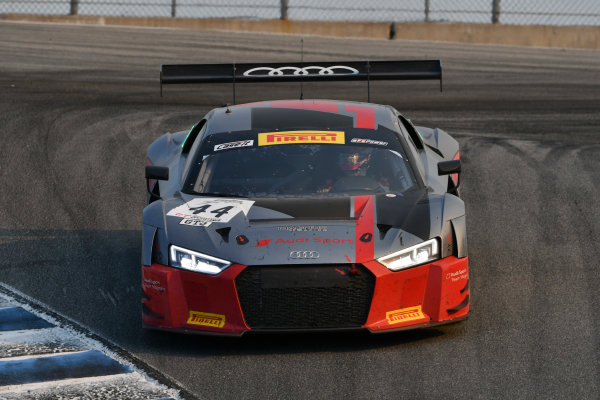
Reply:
x=224 y=232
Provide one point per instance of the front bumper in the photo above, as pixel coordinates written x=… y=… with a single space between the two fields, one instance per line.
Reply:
x=186 y=301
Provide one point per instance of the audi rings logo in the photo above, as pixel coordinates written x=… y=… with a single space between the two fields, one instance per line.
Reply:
x=302 y=71
x=303 y=255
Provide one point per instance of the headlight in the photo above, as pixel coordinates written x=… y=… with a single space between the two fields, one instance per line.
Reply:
x=421 y=253
x=197 y=262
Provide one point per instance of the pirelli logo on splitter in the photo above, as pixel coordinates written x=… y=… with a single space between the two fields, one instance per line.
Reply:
x=206 y=319
x=295 y=137
x=404 y=315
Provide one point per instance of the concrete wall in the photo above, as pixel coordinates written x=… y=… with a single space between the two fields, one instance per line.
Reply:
x=583 y=37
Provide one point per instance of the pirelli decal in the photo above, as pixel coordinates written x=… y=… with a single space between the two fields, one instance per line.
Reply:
x=206 y=319
x=295 y=137
x=404 y=315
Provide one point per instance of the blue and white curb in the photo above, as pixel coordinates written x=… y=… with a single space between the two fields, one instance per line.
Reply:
x=41 y=359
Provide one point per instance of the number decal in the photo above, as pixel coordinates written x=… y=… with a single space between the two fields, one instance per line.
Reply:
x=201 y=209
x=221 y=211
x=201 y=212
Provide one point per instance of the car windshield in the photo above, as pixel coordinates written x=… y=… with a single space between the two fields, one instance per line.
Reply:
x=301 y=170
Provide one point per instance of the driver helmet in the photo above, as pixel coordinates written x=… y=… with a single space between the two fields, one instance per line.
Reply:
x=354 y=159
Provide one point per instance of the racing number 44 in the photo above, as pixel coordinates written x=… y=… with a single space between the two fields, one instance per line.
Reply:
x=218 y=212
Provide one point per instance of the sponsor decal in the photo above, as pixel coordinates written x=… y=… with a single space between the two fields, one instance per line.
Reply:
x=302 y=71
x=233 y=145
x=295 y=137
x=206 y=319
x=196 y=221
x=308 y=228
x=241 y=239
x=369 y=141
x=204 y=211
x=404 y=315
x=316 y=239
x=457 y=275
x=152 y=284
x=291 y=241
x=263 y=242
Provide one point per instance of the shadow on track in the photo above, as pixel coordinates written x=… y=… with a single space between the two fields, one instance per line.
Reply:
x=94 y=278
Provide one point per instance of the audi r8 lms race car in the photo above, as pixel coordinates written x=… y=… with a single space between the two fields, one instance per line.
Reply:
x=302 y=215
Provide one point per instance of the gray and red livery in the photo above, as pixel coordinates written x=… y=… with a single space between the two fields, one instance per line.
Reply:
x=303 y=215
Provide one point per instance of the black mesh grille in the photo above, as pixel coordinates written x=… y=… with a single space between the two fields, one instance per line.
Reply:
x=305 y=297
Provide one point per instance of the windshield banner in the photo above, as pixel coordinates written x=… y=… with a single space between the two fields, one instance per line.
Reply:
x=295 y=137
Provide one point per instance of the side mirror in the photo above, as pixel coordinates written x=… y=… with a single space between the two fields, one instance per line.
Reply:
x=157 y=173
x=449 y=167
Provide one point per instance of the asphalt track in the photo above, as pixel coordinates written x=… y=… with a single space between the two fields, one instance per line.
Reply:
x=79 y=105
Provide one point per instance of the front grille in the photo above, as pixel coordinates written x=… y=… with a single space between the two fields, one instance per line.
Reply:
x=305 y=296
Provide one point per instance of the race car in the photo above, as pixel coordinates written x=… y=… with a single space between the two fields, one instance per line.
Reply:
x=303 y=215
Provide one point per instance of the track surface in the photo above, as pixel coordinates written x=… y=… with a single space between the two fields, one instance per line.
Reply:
x=79 y=105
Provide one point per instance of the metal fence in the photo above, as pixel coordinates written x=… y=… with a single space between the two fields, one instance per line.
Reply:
x=521 y=12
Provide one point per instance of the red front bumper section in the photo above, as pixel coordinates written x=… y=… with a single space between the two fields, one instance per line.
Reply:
x=186 y=301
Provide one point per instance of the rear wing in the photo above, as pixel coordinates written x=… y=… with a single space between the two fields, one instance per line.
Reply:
x=300 y=72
